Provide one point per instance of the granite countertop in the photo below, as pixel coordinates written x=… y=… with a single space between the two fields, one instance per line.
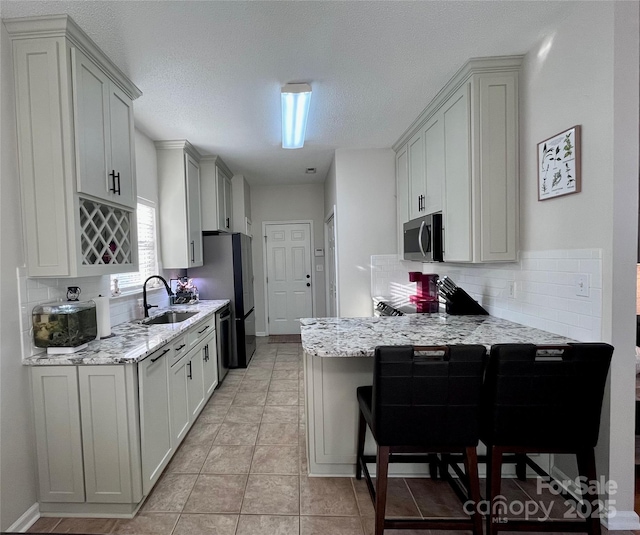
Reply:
x=357 y=337
x=130 y=342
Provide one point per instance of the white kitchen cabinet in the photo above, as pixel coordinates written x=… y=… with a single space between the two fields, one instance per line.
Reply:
x=217 y=196
x=417 y=185
x=402 y=195
x=241 y=196
x=104 y=134
x=72 y=124
x=210 y=364
x=195 y=382
x=58 y=436
x=180 y=207
x=106 y=416
x=469 y=135
x=156 y=442
x=180 y=416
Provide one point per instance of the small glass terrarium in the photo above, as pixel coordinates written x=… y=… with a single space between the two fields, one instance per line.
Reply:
x=64 y=327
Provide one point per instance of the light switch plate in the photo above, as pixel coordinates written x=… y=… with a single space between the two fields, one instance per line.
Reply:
x=581 y=284
x=319 y=267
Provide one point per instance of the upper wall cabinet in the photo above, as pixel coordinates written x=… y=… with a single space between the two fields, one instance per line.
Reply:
x=241 y=195
x=180 y=207
x=461 y=157
x=76 y=155
x=217 y=196
x=104 y=134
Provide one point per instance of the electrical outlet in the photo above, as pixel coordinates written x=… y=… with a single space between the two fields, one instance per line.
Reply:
x=512 y=289
x=581 y=283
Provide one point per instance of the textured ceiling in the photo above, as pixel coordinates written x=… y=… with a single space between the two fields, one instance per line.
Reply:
x=211 y=71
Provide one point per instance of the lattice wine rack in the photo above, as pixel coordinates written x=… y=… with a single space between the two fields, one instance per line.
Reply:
x=105 y=235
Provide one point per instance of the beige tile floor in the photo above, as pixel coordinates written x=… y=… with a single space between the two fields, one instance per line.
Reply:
x=242 y=471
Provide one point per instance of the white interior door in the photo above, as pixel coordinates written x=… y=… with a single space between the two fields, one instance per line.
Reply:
x=330 y=229
x=289 y=288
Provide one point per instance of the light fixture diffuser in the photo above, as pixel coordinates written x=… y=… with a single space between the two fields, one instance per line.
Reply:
x=296 y=99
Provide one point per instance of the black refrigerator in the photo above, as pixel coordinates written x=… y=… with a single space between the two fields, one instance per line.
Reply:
x=227 y=273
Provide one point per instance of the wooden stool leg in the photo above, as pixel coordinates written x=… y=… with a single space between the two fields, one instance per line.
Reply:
x=495 y=480
x=587 y=468
x=471 y=467
x=362 y=430
x=382 y=470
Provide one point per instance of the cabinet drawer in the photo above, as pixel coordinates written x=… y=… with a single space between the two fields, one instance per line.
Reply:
x=200 y=331
x=179 y=349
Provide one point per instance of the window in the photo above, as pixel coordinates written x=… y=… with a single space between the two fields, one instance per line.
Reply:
x=147 y=250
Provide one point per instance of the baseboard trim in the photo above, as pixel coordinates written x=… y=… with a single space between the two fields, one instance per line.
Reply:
x=618 y=521
x=622 y=521
x=261 y=333
x=28 y=519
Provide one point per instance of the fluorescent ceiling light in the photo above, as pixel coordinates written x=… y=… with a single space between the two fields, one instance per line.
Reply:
x=295 y=110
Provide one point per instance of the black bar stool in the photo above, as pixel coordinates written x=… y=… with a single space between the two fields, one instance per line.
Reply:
x=422 y=403
x=543 y=399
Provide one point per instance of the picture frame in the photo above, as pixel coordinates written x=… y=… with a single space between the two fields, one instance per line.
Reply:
x=559 y=164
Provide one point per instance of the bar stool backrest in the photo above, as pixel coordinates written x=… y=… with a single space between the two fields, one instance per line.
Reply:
x=545 y=397
x=425 y=399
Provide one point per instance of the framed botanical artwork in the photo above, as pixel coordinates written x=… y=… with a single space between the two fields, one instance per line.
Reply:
x=559 y=164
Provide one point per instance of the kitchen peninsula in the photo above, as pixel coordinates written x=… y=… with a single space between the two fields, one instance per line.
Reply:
x=338 y=358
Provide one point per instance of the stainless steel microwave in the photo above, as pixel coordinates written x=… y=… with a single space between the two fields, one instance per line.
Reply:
x=423 y=239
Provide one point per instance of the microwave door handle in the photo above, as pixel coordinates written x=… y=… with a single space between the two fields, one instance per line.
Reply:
x=420 y=239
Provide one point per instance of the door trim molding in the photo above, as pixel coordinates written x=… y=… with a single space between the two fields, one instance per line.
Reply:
x=331 y=213
x=264 y=265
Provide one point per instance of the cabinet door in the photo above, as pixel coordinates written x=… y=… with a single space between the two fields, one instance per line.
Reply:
x=228 y=204
x=91 y=122
x=220 y=196
x=122 y=140
x=210 y=365
x=415 y=150
x=180 y=421
x=434 y=164
x=58 y=437
x=457 y=181
x=195 y=383
x=105 y=435
x=155 y=416
x=194 y=214
x=402 y=195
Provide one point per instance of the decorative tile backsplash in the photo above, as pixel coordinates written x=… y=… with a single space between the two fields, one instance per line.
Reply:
x=538 y=291
x=33 y=292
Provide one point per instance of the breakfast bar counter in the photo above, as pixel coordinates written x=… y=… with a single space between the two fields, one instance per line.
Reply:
x=332 y=374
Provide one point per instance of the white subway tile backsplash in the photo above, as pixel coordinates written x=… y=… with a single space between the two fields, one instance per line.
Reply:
x=545 y=291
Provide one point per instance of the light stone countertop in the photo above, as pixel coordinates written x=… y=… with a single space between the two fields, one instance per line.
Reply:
x=130 y=342
x=358 y=337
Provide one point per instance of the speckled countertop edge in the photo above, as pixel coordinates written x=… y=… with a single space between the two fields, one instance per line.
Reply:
x=358 y=337
x=132 y=341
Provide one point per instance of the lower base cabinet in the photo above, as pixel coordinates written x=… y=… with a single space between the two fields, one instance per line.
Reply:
x=105 y=433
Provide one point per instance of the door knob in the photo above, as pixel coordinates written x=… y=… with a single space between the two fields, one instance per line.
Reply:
x=308 y=284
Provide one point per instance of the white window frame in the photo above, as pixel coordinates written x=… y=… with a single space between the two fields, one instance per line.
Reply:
x=137 y=278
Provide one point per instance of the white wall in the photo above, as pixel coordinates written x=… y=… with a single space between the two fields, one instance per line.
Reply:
x=330 y=187
x=365 y=222
x=585 y=71
x=286 y=203
x=17 y=454
x=146 y=167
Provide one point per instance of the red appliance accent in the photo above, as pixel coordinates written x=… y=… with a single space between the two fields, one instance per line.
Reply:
x=426 y=299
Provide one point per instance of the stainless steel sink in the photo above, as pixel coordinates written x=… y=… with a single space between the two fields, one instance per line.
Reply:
x=169 y=317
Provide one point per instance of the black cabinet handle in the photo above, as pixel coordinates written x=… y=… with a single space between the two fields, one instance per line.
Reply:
x=118 y=177
x=205 y=357
x=179 y=348
x=112 y=176
x=189 y=375
x=203 y=330
x=193 y=251
x=161 y=355
x=227 y=222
